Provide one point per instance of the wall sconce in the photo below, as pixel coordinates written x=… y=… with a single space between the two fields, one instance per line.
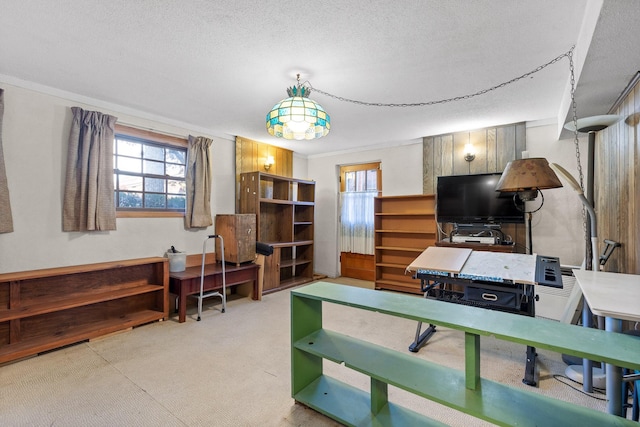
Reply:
x=469 y=152
x=268 y=163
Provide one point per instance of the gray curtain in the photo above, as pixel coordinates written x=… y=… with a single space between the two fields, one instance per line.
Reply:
x=198 y=214
x=88 y=195
x=6 y=220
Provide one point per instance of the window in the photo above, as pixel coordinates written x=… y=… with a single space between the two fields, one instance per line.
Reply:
x=149 y=173
x=359 y=185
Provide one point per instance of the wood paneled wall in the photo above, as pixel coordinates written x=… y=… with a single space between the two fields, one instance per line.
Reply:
x=617 y=185
x=494 y=148
x=251 y=156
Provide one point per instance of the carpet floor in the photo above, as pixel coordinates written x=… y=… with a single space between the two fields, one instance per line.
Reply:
x=233 y=369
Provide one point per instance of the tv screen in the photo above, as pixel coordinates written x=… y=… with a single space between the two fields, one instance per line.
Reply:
x=472 y=199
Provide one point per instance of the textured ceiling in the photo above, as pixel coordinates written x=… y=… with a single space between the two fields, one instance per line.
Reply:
x=218 y=66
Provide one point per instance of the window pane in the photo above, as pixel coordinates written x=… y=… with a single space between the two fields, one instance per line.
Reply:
x=127 y=164
x=176 y=187
x=176 y=202
x=129 y=200
x=176 y=156
x=147 y=171
x=153 y=168
x=130 y=183
x=175 y=170
x=361 y=180
x=155 y=185
x=372 y=179
x=129 y=148
x=154 y=153
x=350 y=178
x=153 y=201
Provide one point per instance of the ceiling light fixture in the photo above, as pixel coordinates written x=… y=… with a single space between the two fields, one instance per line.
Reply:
x=298 y=117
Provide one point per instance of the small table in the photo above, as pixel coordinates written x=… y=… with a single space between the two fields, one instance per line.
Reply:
x=616 y=297
x=187 y=282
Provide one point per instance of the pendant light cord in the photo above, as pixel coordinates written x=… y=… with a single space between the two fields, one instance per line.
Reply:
x=568 y=54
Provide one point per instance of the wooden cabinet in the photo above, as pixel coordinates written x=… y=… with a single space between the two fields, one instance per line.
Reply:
x=284 y=209
x=239 y=234
x=404 y=227
x=45 y=309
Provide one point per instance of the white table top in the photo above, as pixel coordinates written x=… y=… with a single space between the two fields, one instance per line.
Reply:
x=614 y=295
x=481 y=265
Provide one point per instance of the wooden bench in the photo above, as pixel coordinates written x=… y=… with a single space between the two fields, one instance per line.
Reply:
x=465 y=391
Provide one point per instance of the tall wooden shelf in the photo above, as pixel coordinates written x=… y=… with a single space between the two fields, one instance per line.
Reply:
x=41 y=310
x=284 y=209
x=404 y=227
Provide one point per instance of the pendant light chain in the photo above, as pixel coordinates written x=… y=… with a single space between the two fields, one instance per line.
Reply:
x=568 y=54
x=444 y=101
x=576 y=142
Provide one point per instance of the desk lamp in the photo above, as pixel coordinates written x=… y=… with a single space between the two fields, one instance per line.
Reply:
x=525 y=178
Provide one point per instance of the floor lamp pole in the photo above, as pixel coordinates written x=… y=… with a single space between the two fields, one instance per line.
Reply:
x=529 y=215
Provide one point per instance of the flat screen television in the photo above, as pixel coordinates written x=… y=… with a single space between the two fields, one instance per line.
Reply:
x=472 y=199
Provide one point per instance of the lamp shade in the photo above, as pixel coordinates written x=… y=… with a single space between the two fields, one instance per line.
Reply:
x=298 y=117
x=594 y=123
x=528 y=174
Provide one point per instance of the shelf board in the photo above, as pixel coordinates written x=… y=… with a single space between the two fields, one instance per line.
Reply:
x=392 y=265
x=351 y=406
x=86 y=268
x=286 y=202
x=76 y=334
x=406 y=231
x=425 y=378
x=426 y=213
x=65 y=302
x=290 y=282
x=287 y=244
x=399 y=248
x=293 y=262
x=276 y=201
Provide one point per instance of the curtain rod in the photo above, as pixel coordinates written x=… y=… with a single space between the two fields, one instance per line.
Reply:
x=150 y=129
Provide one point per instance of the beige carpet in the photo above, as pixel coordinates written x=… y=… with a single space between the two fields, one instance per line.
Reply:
x=232 y=369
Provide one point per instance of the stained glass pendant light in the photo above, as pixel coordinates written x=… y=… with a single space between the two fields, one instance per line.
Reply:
x=298 y=117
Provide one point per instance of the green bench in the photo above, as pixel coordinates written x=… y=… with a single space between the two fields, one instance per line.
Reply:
x=465 y=391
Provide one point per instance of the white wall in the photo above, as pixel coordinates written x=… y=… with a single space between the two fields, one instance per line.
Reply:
x=557 y=226
x=35 y=133
x=401 y=175
x=36 y=127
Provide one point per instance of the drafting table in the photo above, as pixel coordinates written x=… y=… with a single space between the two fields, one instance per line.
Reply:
x=493 y=280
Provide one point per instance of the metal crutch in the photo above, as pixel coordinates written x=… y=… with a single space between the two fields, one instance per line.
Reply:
x=203 y=295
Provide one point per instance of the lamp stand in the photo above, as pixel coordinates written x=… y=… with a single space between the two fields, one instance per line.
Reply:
x=529 y=216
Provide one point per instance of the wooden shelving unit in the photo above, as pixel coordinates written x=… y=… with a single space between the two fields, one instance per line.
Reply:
x=45 y=309
x=404 y=227
x=284 y=209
